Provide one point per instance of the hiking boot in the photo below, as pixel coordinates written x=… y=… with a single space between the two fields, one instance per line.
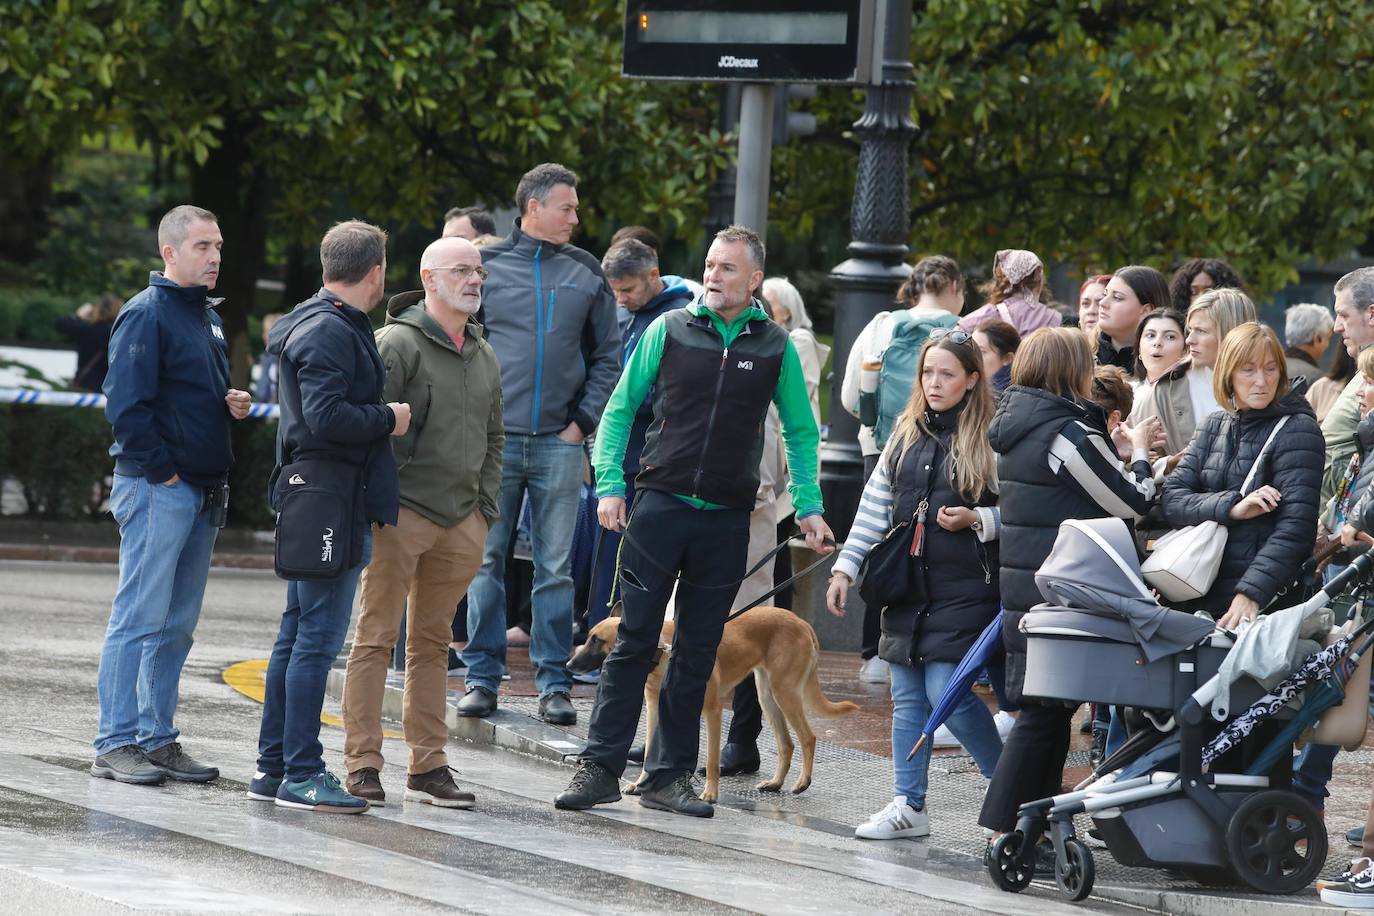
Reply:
x=128 y=764
x=897 y=821
x=181 y=766
x=678 y=797
x=438 y=788
x=592 y=784
x=477 y=703
x=557 y=709
x=366 y=782
x=264 y=786
x=321 y=792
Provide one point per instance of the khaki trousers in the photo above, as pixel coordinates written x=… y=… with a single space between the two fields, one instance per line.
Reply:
x=423 y=570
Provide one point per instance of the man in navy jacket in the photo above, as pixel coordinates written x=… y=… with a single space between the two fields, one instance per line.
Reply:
x=169 y=403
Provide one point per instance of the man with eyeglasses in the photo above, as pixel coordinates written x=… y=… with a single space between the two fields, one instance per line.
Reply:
x=450 y=471
x=550 y=317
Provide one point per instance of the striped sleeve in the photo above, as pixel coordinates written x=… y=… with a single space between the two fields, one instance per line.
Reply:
x=871 y=523
x=1083 y=459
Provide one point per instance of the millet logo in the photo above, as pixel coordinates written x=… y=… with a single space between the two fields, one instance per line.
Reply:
x=730 y=62
x=327 y=553
x=745 y=364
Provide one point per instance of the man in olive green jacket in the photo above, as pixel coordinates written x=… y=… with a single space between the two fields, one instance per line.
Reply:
x=450 y=473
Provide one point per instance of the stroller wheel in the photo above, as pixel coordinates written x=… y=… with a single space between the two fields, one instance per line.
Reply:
x=1075 y=874
x=1276 y=842
x=1005 y=867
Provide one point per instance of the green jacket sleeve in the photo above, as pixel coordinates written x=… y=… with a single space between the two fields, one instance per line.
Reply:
x=613 y=434
x=800 y=435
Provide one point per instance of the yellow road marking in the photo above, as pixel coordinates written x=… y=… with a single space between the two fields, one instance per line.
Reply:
x=249 y=678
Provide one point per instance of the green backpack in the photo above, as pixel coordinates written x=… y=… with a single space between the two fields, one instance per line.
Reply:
x=898 y=373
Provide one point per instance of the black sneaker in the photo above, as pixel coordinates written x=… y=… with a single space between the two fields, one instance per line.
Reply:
x=678 y=796
x=592 y=784
x=557 y=709
x=1354 y=868
x=179 y=765
x=1357 y=893
x=128 y=764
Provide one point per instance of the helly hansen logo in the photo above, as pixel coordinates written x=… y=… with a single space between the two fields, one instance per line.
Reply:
x=327 y=553
x=745 y=364
x=217 y=331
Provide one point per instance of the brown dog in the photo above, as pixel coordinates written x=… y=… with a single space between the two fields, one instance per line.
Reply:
x=782 y=651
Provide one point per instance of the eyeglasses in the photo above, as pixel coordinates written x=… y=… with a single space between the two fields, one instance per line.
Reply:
x=482 y=272
x=958 y=337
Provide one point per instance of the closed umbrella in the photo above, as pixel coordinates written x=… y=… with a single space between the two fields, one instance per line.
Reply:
x=982 y=649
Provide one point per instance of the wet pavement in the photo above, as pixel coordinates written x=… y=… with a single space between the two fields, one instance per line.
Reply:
x=72 y=844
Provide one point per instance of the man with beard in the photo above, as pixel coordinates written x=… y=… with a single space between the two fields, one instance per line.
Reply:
x=713 y=367
x=450 y=470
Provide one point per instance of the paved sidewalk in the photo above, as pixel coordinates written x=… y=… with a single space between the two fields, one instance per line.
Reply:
x=853 y=778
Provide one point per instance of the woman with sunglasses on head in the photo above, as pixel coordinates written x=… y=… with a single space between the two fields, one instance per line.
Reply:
x=939 y=471
x=1056 y=461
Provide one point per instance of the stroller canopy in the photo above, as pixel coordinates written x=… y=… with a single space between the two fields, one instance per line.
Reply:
x=1093 y=569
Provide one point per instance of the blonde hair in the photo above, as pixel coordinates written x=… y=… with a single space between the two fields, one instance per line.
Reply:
x=1366 y=362
x=972 y=465
x=1057 y=360
x=1228 y=309
x=1248 y=343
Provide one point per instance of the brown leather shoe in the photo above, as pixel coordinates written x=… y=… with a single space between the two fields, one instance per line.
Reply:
x=438 y=788
x=367 y=783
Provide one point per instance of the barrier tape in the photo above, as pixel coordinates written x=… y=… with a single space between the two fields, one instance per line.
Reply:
x=97 y=401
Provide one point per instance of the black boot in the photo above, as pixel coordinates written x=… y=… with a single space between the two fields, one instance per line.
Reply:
x=677 y=796
x=737 y=759
x=592 y=784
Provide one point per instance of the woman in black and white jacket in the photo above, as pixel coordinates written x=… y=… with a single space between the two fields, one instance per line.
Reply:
x=1056 y=461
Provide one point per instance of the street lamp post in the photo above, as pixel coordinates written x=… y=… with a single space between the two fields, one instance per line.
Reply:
x=867 y=282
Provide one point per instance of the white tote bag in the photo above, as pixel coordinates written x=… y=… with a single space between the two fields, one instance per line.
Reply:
x=1185 y=561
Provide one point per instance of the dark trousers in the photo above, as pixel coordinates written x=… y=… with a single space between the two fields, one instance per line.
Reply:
x=705 y=548
x=1031 y=766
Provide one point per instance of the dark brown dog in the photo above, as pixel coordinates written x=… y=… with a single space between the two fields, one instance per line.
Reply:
x=780 y=649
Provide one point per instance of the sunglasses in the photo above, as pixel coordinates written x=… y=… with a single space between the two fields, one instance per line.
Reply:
x=958 y=337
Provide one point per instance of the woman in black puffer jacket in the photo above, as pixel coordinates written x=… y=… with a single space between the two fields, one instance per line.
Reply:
x=1272 y=528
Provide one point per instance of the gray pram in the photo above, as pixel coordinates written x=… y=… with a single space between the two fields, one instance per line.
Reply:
x=1103 y=637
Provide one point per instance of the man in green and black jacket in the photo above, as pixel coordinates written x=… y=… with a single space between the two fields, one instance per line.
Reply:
x=714 y=367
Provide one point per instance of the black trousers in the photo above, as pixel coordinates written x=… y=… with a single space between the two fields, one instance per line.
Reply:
x=1031 y=766
x=707 y=549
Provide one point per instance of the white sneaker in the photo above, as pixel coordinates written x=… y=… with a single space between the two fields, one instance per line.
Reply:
x=874 y=671
x=1004 y=722
x=945 y=738
x=897 y=821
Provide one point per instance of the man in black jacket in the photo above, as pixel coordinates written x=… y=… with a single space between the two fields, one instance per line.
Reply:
x=169 y=403
x=330 y=392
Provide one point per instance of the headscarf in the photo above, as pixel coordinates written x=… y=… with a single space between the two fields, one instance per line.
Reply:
x=1016 y=264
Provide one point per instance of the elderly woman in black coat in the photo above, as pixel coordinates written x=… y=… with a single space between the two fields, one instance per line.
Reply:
x=1272 y=527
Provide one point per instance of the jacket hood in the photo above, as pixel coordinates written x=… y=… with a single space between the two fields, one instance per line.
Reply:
x=409 y=309
x=674 y=288
x=1021 y=411
x=276 y=338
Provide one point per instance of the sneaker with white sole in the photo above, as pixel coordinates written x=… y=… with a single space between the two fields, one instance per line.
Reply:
x=264 y=786
x=1356 y=893
x=322 y=793
x=1004 y=722
x=1354 y=868
x=874 y=671
x=895 y=822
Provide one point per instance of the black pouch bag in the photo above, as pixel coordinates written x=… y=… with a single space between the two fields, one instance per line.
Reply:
x=318 y=502
x=890 y=573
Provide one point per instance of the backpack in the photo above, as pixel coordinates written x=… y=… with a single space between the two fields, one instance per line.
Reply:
x=898 y=373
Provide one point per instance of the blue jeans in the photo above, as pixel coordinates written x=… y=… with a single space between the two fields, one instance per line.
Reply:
x=551 y=470
x=165 y=542
x=914 y=689
x=312 y=632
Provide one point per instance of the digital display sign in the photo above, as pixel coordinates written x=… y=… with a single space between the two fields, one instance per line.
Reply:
x=804 y=41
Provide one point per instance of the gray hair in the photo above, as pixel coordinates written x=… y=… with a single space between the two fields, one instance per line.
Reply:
x=349 y=251
x=539 y=182
x=749 y=237
x=781 y=291
x=1304 y=323
x=1360 y=282
x=176 y=224
x=630 y=258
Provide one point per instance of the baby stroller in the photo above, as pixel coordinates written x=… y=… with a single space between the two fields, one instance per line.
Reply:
x=1105 y=638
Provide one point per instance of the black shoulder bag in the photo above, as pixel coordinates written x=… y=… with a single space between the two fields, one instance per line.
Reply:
x=890 y=574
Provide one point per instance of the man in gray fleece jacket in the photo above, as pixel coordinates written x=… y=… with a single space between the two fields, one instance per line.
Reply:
x=550 y=317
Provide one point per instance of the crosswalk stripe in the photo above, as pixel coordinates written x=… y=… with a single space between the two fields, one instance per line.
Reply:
x=280 y=841
x=129 y=883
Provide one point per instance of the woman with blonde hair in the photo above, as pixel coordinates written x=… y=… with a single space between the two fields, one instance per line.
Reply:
x=1183 y=398
x=1271 y=526
x=939 y=472
x=1018 y=278
x=1056 y=461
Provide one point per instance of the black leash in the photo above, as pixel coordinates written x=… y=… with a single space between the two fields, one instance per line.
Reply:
x=674 y=574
